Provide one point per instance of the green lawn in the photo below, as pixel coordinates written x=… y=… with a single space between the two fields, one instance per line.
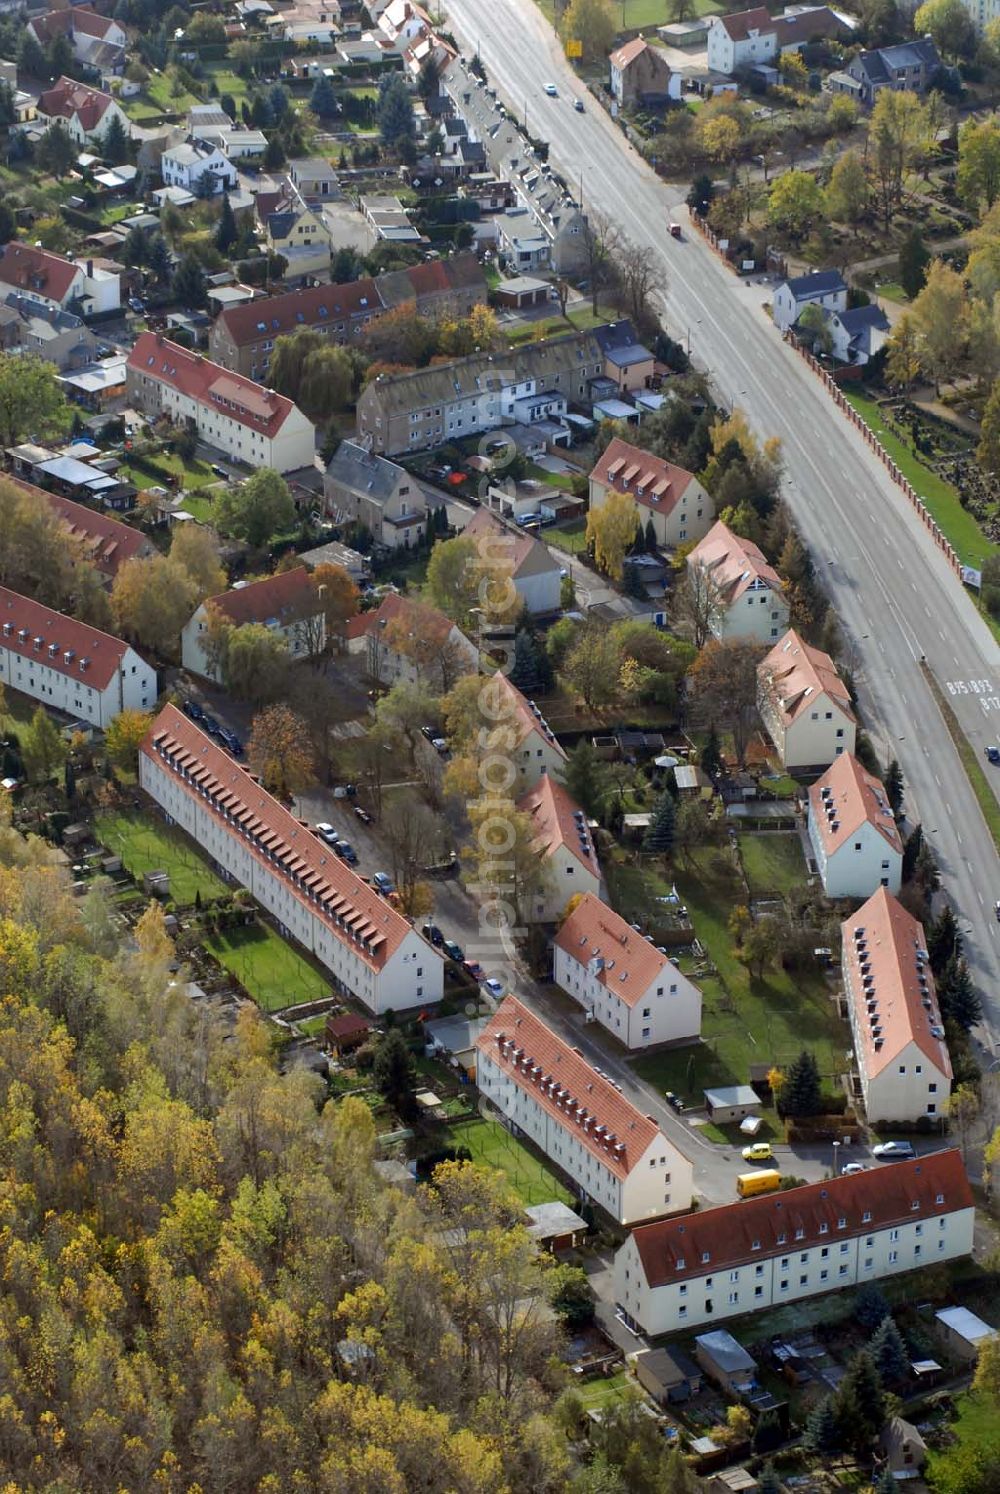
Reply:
x=492 y=1146
x=273 y=972
x=975 y=1427
x=891 y=290
x=146 y=844
x=744 y=1020
x=569 y=537
x=151 y=472
x=773 y=862
x=940 y=497
x=642 y=13
x=199 y=505
x=595 y=1394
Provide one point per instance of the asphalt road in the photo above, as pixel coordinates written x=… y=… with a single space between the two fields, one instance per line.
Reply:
x=895 y=595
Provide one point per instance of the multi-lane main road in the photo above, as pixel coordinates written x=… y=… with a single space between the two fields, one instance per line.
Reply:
x=892 y=589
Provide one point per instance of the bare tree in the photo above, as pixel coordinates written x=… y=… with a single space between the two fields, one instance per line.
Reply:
x=601 y=238
x=641 y=278
x=723 y=688
x=698 y=604
x=410 y=833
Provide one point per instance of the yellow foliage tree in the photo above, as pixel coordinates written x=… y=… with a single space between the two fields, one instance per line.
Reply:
x=612 y=529
x=124 y=736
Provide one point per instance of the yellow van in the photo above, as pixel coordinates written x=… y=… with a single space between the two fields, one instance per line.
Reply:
x=749 y=1183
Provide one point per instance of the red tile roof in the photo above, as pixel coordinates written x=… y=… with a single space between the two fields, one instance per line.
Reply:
x=517 y=549
x=28 y=268
x=797 y=674
x=422 y=620
x=78 y=18
x=733 y=562
x=66 y=98
x=532 y=1054
x=94 y=657
x=726 y=1235
x=629 y=52
x=106 y=542
x=351 y=909
x=317 y=306
x=559 y=821
x=209 y=384
x=285 y=596
x=854 y=798
x=631 y=962
x=656 y=484
x=518 y=714
x=740 y=24
x=881 y=942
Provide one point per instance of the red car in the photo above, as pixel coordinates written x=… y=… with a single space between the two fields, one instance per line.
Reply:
x=473 y=968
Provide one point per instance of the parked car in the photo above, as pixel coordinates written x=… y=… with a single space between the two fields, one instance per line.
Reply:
x=894 y=1151
x=428 y=732
x=433 y=933
x=759 y=1152
x=221 y=471
x=494 y=987
x=345 y=791
x=440 y=746
x=192 y=709
x=134 y=304
x=851 y=1169
x=993 y=754
x=382 y=882
x=326 y=832
x=473 y=968
x=210 y=724
x=674 y=1101
x=346 y=852
x=453 y=951
x=362 y=815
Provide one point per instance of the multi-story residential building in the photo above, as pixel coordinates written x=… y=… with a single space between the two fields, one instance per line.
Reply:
x=242 y=337
x=191 y=161
x=86 y=112
x=449 y=287
x=42 y=278
x=408 y=640
x=804 y=704
x=749 y=38
x=639 y=74
x=549 y=229
x=522 y=731
x=60 y=337
x=622 y=980
x=287 y=603
x=249 y=423
x=912 y=65
x=368 y=947
x=534 y=571
x=68 y=665
x=370 y=490
x=673 y=499
x=406 y=412
x=853 y=831
x=781 y=1247
x=106 y=543
x=299 y=233
x=899 y=1038
x=611 y=1153
x=740 y=591
x=564 y=845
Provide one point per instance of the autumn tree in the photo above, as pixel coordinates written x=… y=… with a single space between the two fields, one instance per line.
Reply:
x=43 y=748
x=257 y=509
x=914 y=257
x=611 y=530
x=848 y=193
x=124 y=736
x=950 y=26
x=591 y=23
x=31 y=400
x=979 y=163
x=902 y=363
x=195 y=550
x=794 y=203
x=151 y=600
x=338 y=597
x=254 y=661
x=279 y=751
x=723 y=685
x=897 y=137
x=939 y=319
x=988 y=450
x=453 y=575
x=721 y=137
x=503 y=859
x=593 y=667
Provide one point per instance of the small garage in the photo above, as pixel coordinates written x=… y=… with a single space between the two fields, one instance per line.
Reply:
x=732 y=1103
x=522 y=292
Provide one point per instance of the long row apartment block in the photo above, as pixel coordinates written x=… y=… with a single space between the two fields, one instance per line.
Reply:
x=366 y=944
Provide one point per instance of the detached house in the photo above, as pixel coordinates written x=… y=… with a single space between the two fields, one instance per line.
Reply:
x=366 y=489
x=97 y=41
x=563 y=842
x=763 y=1252
x=826 y=289
x=912 y=65
x=408 y=640
x=86 y=112
x=249 y=423
x=805 y=705
x=746 y=591
x=449 y=287
x=535 y=573
x=899 y=1040
x=622 y=980
x=612 y=1154
x=287 y=603
x=299 y=233
x=741 y=40
x=675 y=501
x=193 y=161
x=641 y=74
x=50 y=280
x=853 y=831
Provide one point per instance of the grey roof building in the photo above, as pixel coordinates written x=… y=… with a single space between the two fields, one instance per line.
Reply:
x=911 y=65
x=377 y=493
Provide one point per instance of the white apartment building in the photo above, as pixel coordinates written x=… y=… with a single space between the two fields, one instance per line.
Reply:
x=805 y=705
x=244 y=420
x=522 y=731
x=69 y=666
x=622 y=980
x=747 y=594
x=853 y=832
x=55 y=282
x=287 y=603
x=564 y=844
x=781 y=1247
x=675 y=501
x=185 y=164
x=408 y=640
x=899 y=1042
x=611 y=1153
x=368 y=947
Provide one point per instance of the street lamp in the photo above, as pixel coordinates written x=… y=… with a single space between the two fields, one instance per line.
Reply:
x=836 y=1159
